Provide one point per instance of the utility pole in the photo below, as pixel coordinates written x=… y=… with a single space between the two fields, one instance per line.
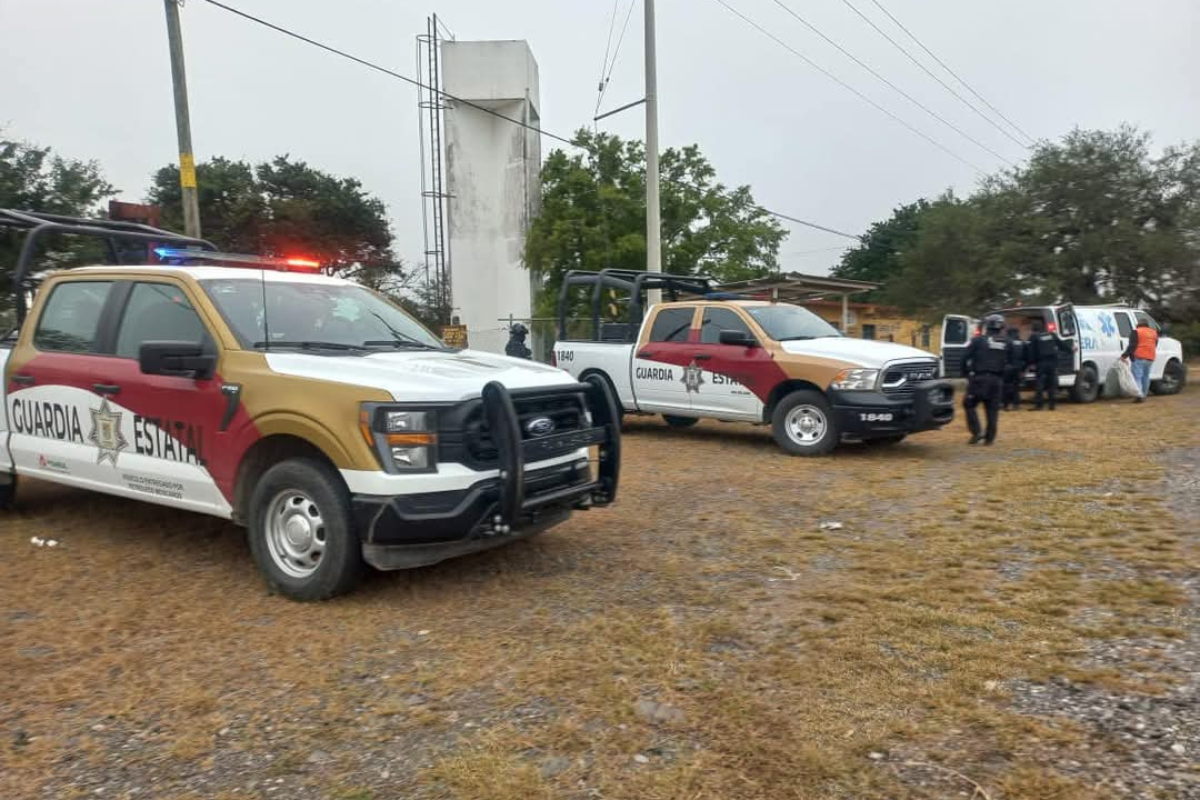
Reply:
x=653 y=223
x=183 y=124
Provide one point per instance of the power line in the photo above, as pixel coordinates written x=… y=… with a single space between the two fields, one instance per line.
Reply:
x=931 y=74
x=946 y=67
x=808 y=224
x=893 y=86
x=612 y=24
x=616 y=53
x=846 y=86
x=517 y=122
x=386 y=71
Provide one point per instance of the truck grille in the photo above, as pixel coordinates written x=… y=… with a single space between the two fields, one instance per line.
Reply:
x=468 y=440
x=900 y=380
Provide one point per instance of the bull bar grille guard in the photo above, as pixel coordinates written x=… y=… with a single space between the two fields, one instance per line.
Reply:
x=504 y=425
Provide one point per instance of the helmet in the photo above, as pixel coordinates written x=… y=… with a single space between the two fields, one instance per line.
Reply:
x=518 y=330
x=994 y=323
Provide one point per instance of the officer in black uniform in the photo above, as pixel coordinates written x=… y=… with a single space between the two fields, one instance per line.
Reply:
x=1014 y=371
x=985 y=360
x=516 y=346
x=1043 y=354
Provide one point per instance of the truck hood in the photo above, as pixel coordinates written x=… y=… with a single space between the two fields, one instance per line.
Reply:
x=421 y=376
x=861 y=352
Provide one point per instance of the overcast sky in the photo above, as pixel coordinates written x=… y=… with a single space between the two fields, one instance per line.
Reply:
x=92 y=80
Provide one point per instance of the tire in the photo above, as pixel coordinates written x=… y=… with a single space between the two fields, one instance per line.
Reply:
x=1087 y=385
x=8 y=494
x=313 y=493
x=885 y=441
x=679 y=422
x=803 y=424
x=1173 y=380
x=611 y=388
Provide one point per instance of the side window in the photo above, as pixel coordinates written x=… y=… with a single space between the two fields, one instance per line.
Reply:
x=1123 y=324
x=1066 y=322
x=720 y=319
x=71 y=317
x=956 y=331
x=157 y=312
x=672 y=325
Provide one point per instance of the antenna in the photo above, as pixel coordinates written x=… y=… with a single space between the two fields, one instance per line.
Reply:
x=266 y=328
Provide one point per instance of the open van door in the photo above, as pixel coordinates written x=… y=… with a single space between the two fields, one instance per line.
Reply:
x=1070 y=352
x=957 y=331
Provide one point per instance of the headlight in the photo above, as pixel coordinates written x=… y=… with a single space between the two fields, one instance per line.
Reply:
x=855 y=380
x=405 y=440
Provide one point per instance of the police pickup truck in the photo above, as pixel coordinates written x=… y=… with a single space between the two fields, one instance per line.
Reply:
x=306 y=408
x=726 y=357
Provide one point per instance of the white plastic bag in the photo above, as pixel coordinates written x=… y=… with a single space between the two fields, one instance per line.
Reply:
x=1125 y=380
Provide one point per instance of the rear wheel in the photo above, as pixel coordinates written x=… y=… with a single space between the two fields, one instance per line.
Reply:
x=616 y=397
x=1173 y=379
x=1087 y=385
x=302 y=533
x=8 y=493
x=803 y=424
x=679 y=422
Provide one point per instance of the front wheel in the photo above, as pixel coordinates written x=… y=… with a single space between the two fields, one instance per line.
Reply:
x=302 y=533
x=8 y=494
x=803 y=424
x=1087 y=385
x=1173 y=379
x=679 y=422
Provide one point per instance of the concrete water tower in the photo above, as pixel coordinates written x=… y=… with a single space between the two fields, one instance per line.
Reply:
x=493 y=188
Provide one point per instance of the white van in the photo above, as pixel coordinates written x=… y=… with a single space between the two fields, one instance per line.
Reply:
x=1091 y=339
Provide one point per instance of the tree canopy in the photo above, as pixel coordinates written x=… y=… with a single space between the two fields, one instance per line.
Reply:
x=34 y=178
x=593 y=216
x=1091 y=218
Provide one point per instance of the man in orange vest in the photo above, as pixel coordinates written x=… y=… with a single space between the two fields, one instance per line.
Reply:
x=1143 y=345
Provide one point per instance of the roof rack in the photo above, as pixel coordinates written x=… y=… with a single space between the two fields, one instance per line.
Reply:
x=36 y=223
x=633 y=281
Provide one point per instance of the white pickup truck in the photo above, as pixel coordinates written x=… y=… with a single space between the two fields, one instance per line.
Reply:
x=729 y=358
x=307 y=408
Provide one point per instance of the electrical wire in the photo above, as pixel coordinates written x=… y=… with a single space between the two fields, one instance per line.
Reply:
x=808 y=224
x=612 y=24
x=931 y=74
x=891 y=85
x=946 y=67
x=617 y=52
x=846 y=86
x=386 y=71
x=456 y=99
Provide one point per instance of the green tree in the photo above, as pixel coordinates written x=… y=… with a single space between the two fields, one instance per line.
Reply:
x=33 y=178
x=593 y=216
x=877 y=256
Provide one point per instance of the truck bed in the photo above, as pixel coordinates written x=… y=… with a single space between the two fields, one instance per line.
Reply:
x=612 y=359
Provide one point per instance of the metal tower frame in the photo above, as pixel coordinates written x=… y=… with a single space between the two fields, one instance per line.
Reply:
x=430 y=106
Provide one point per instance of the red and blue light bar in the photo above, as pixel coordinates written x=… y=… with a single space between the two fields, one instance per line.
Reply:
x=183 y=255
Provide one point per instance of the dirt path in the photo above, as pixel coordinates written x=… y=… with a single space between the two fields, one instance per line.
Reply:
x=1001 y=617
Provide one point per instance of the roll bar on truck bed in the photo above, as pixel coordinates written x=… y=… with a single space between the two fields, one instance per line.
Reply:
x=635 y=282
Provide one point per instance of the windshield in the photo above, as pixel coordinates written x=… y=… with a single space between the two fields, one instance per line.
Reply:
x=784 y=322
x=335 y=316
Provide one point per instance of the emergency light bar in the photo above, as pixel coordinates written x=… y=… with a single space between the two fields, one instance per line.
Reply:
x=185 y=255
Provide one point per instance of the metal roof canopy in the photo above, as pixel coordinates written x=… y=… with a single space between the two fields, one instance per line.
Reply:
x=795 y=287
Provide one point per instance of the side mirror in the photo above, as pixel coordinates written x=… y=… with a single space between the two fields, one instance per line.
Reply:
x=738 y=339
x=179 y=359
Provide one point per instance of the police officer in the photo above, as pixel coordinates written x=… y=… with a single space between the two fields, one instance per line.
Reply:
x=985 y=360
x=1042 y=352
x=1014 y=370
x=516 y=342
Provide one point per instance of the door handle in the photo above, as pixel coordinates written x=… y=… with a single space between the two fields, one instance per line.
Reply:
x=24 y=380
x=645 y=354
x=702 y=356
x=106 y=388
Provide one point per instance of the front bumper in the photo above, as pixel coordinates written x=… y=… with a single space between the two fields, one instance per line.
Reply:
x=412 y=530
x=871 y=415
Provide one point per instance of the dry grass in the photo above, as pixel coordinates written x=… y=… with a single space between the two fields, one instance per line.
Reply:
x=806 y=663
